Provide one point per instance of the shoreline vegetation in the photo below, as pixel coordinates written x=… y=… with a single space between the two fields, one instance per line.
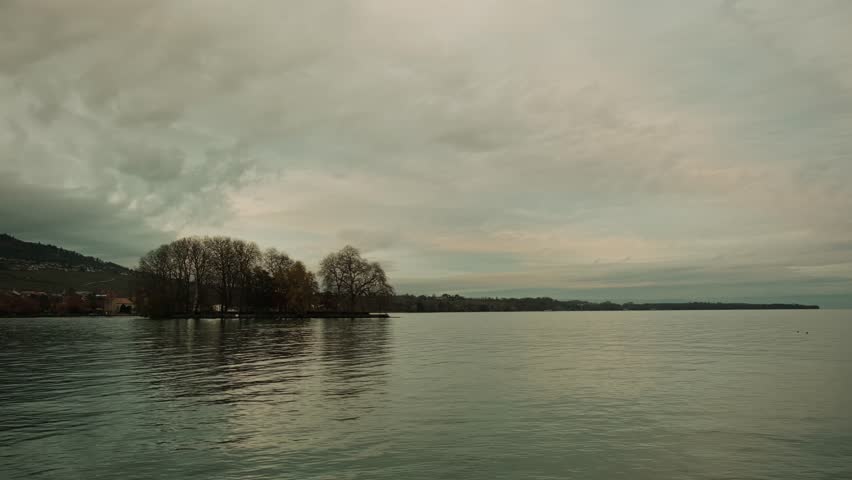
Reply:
x=228 y=276
x=472 y=308
x=210 y=277
x=588 y=307
x=457 y=303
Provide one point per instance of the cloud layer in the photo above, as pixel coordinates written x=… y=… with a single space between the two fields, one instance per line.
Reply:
x=606 y=149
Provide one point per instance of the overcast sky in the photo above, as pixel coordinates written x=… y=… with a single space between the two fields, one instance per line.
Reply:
x=594 y=149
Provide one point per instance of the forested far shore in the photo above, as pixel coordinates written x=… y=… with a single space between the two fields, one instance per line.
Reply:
x=457 y=303
x=70 y=303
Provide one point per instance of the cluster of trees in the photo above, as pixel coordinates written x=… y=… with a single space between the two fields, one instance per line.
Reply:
x=221 y=274
x=457 y=303
x=41 y=303
x=16 y=304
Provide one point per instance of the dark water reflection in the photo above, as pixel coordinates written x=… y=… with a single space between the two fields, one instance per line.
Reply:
x=223 y=361
x=355 y=355
x=601 y=395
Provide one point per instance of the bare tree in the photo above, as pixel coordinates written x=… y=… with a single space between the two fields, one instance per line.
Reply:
x=199 y=260
x=278 y=265
x=302 y=290
x=275 y=261
x=157 y=274
x=179 y=257
x=351 y=279
x=221 y=251
x=246 y=256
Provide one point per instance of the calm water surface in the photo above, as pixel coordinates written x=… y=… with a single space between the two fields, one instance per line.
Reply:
x=653 y=395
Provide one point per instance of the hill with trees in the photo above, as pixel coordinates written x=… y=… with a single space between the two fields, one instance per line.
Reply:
x=36 y=266
x=17 y=254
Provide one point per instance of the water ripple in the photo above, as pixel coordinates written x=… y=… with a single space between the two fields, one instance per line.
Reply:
x=551 y=395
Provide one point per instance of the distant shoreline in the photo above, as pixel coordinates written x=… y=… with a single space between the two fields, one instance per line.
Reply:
x=672 y=307
x=738 y=309
x=458 y=303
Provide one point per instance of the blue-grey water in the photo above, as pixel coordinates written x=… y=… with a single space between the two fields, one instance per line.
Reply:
x=598 y=395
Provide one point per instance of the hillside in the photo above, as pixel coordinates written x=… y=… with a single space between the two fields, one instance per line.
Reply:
x=48 y=268
x=58 y=281
x=19 y=255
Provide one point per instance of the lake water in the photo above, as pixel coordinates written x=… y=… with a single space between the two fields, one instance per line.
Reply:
x=597 y=395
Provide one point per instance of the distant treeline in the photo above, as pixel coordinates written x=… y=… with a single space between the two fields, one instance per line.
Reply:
x=13 y=303
x=457 y=303
x=205 y=275
x=222 y=274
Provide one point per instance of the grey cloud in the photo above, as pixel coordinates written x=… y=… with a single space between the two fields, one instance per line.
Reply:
x=75 y=220
x=151 y=165
x=367 y=240
x=498 y=136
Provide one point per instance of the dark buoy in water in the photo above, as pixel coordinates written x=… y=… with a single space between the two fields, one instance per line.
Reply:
x=797 y=331
x=806 y=333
